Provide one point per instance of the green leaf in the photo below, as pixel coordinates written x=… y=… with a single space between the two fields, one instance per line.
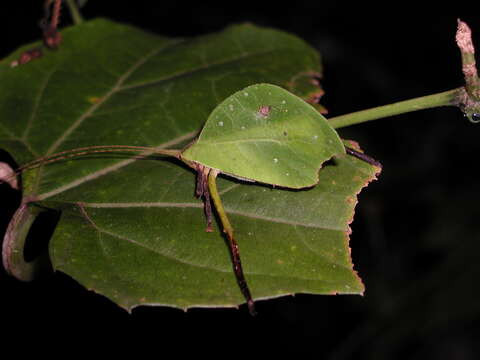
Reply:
x=131 y=228
x=265 y=133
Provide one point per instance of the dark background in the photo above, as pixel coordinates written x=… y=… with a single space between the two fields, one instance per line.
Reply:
x=415 y=238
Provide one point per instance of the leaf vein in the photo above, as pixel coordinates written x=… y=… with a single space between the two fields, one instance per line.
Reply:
x=199 y=205
x=36 y=105
x=180 y=74
x=116 y=87
x=101 y=231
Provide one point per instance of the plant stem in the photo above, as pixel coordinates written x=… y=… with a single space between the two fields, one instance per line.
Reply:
x=14 y=243
x=228 y=230
x=470 y=97
x=446 y=98
x=74 y=12
x=212 y=185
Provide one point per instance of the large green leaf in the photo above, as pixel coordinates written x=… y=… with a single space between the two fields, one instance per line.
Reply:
x=131 y=229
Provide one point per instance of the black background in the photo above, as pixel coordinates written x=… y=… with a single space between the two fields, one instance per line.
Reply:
x=415 y=235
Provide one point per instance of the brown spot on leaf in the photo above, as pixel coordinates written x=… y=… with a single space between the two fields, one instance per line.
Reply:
x=307 y=86
x=264 y=110
x=94 y=99
x=27 y=56
x=354 y=145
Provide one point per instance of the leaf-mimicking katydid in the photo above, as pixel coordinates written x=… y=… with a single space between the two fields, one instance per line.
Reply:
x=263 y=134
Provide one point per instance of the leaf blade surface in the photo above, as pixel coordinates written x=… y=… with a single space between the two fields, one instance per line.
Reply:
x=130 y=228
x=266 y=134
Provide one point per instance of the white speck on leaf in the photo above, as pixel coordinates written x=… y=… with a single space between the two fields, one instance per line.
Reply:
x=231 y=107
x=275 y=160
x=245 y=93
x=284 y=102
x=220 y=123
x=243 y=128
x=315 y=137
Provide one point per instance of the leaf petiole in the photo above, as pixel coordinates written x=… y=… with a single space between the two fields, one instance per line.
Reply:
x=446 y=98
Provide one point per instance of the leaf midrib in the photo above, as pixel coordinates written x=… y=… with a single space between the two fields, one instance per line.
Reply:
x=198 y=205
x=169 y=256
x=116 y=88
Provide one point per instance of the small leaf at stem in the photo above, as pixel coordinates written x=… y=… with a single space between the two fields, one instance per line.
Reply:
x=267 y=134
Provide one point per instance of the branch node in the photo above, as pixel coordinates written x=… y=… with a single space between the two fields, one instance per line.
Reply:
x=464 y=38
x=469 y=99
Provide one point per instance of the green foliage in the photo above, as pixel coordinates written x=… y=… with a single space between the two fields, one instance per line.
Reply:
x=265 y=133
x=130 y=228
